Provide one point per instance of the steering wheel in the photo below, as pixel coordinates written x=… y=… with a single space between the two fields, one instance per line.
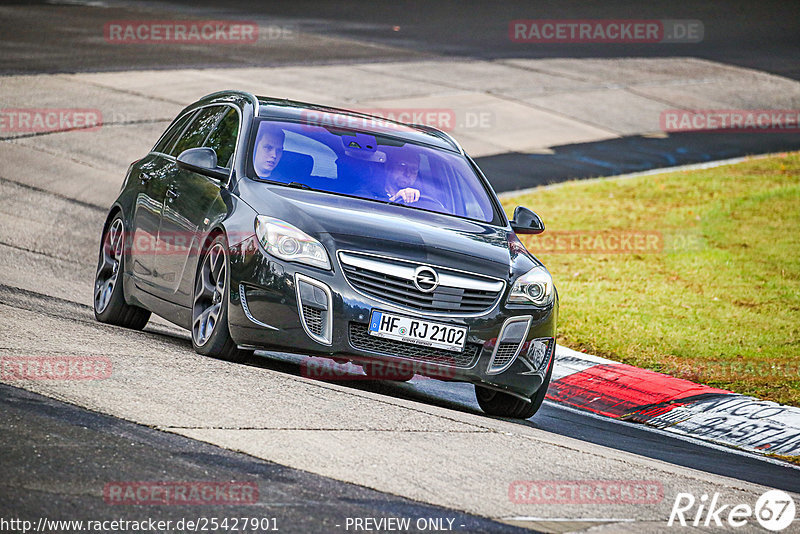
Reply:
x=429 y=203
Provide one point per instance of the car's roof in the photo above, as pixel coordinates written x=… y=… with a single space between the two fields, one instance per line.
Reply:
x=292 y=110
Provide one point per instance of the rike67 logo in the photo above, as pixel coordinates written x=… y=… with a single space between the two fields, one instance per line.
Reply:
x=774 y=510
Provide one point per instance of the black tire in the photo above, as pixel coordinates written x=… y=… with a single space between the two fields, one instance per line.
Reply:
x=109 y=297
x=504 y=405
x=210 y=334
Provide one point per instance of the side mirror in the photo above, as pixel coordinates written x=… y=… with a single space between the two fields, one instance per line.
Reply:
x=526 y=222
x=203 y=161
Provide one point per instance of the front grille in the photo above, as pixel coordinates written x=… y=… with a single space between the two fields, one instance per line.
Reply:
x=313 y=319
x=380 y=279
x=362 y=340
x=505 y=351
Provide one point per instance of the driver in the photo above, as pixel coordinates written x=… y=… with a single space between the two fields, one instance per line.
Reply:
x=269 y=149
x=402 y=171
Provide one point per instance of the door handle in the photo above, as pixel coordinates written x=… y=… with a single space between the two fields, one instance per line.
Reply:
x=172 y=194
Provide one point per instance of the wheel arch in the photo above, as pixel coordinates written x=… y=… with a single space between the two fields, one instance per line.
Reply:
x=113 y=212
x=210 y=236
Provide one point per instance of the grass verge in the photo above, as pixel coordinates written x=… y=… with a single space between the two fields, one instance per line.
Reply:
x=691 y=273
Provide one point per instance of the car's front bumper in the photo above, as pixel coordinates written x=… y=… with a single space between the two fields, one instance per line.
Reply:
x=264 y=313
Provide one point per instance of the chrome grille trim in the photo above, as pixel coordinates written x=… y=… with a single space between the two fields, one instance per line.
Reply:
x=407 y=272
x=391 y=280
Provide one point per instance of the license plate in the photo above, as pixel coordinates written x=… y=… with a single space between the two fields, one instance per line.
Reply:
x=417 y=331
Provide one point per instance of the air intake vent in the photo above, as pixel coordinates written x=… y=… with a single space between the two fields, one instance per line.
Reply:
x=315 y=304
x=505 y=353
x=314 y=320
x=509 y=342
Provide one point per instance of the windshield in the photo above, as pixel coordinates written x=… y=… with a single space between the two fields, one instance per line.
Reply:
x=369 y=166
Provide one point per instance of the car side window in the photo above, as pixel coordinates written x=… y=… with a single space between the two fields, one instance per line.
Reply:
x=223 y=138
x=197 y=132
x=172 y=133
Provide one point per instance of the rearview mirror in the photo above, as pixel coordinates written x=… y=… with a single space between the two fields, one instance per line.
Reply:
x=202 y=160
x=526 y=221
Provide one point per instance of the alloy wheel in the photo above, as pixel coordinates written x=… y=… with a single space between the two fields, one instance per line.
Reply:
x=108 y=268
x=209 y=294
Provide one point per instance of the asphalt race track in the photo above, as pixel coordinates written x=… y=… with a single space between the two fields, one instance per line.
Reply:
x=56 y=36
x=322 y=453
x=63 y=36
x=69 y=441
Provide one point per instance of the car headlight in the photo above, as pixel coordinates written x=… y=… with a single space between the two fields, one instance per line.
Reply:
x=286 y=242
x=534 y=287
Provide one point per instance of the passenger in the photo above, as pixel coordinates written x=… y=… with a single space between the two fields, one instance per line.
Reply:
x=269 y=149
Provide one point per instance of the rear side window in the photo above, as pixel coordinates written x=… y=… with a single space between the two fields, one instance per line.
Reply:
x=197 y=132
x=223 y=138
x=172 y=133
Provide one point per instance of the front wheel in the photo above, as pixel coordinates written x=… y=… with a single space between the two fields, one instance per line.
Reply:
x=504 y=405
x=109 y=298
x=210 y=334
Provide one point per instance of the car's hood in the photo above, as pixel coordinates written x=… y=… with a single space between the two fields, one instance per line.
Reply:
x=348 y=223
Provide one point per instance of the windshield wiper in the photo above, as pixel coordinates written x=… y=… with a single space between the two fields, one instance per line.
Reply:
x=299 y=185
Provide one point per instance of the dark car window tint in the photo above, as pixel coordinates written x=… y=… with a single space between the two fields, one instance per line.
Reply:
x=172 y=134
x=223 y=138
x=198 y=130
